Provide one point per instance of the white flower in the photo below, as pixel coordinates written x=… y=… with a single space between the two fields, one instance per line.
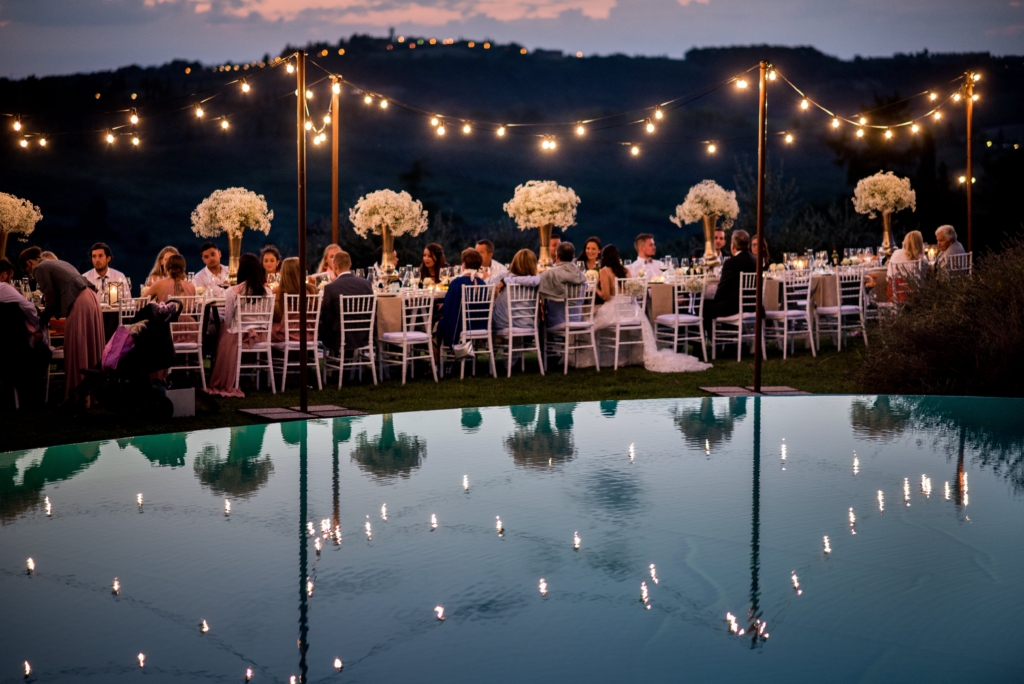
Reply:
x=397 y=210
x=18 y=215
x=633 y=287
x=707 y=198
x=883 y=192
x=539 y=203
x=231 y=211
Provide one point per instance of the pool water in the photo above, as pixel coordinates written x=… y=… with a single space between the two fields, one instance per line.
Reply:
x=730 y=500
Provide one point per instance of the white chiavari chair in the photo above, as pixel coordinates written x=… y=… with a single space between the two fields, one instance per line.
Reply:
x=523 y=307
x=576 y=330
x=127 y=307
x=793 y=319
x=414 y=342
x=289 y=347
x=686 y=322
x=187 y=336
x=848 y=314
x=255 y=318
x=740 y=326
x=630 y=297
x=358 y=318
x=477 y=307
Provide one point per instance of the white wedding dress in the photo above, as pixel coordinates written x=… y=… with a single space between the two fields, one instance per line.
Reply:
x=624 y=308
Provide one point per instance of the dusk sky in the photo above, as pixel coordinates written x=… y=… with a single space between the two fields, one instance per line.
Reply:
x=46 y=37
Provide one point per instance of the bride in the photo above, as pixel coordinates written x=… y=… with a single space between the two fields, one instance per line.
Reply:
x=626 y=307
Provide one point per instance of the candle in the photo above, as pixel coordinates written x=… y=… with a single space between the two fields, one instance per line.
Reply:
x=465 y=482
x=112 y=293
x=31 y=565
x=317 y=545
x=28 y=669
x=499 y=526
x=248 y=673
x=138 y=499
x=796 y=583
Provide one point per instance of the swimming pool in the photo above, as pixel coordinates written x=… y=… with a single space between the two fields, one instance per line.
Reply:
x=730 y=501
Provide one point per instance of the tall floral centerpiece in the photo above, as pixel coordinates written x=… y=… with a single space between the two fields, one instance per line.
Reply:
x=885 y=194
x=707 y=201
x=231 y=211
x=388 y=213
x=16 y=216
x=543 y=205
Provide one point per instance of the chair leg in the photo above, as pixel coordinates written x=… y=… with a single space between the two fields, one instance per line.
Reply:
x=270 y=371
x=703 y=342
x=597 y=355
x=433 y=366
x=284 y=368
x=490 y=355
x=405 y=361
x=373 y=365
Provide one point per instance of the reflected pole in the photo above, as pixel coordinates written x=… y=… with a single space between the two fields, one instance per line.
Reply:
x=300 y=119
x=762 y=132
x=303 y=554
x=755 y=533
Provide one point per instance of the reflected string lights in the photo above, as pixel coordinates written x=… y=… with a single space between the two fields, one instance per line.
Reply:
x=31 y=565
x=644 y=596
x=433 y=522
x=49 y=508
x=138 y=499
x=115 y=588
x=543 y=586
x=465 y=482
x=632 y=453
x=576 y=541
x=227 y=507
x=310 y=530
x=926 y=486
x=828 y=548
x=881 y=502
x=654 y=574
x=369 y=529
x=856 y=464
x=906 y=491
x=947 y=491
x=853 y=522
x=384 y=512
x=499 y=526
x=796 y=583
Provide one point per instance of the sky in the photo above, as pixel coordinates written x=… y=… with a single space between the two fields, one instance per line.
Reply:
x=46 y=37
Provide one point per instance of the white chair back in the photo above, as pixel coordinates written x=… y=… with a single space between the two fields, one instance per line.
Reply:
x=358 y=315
x=689 y=296
x=477 y=304
x=903 y=276
x=127 y=307
x=959 y=264
x=748 y=293
x=795 y=292
x=292 y=320
x=417 y=312
x=850 y=289
x=579 y=303
x=523 y=305
x=255 y=312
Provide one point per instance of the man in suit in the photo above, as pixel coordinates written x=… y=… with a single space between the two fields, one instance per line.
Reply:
x=727 y=297
x=346 y=284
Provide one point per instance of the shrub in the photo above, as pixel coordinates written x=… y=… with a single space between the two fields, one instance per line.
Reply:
x=957 y=335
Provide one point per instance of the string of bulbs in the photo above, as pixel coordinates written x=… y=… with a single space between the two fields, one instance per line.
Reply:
x=648 y=117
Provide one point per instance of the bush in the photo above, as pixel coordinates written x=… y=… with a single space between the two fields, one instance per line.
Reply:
x=956 y=335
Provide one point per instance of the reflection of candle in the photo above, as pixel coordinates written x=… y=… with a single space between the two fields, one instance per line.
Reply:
x=796 y=583
x=203 y=627
x=853 y=522
x=643 y=594
x=906 y=490
x=317 y=545
x=498 y=525
x=707 y=446
x=384 y=512
x=576 y=540
x=543 y=587
x=337 y=534
x=947 y=491
x=142 y=659
x=465 y=482
x=309 y=528
x=28 y=669
x=856 y=465
x=733 y=625
x=138 y=499
x=309 y=587
x=965 y=489
x=292 y=680
x=632 y=453
x=116 y=587
x=433 y=521
x=881 y=502
x=369 y=530
x=828 y=549
x=31 y=565
x=926 y=486
x=338 y=664
x=248 y=673
x=227 y=507
x=325 y=527
x=440 y=612
x=49 y=508
x=654 y=573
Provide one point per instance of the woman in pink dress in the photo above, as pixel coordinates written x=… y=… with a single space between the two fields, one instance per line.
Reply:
x=291 y=281
x=251 y=283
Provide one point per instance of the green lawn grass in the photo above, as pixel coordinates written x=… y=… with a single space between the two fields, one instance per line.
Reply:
x=829 y=373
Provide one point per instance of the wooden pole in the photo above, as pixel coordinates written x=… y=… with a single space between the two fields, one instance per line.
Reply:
x=300 y=120
x=970 y=160
x=335 y=115
x=762 y=125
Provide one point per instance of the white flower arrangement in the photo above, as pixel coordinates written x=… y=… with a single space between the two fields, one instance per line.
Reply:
x=633 y=287
x=18 y=215
x=397 y=210
x=539 y=203
x=883 y=192
x=231 y=211
x=774 y=268
x=707 y=198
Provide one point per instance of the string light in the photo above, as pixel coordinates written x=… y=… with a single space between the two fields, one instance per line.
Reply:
x=933 y=96
x=466 y=128
x=383 y=104
x=771 y=75
x=440 y=129
x=804 y=104
x=245 y=86
x=42 y=143
x=327 y=118
x=976 y=77
x=309 y=94
x=862 y=121
x=199 y=111
x=915 y=128
x=741 y=83
x=860 y=132
x=658 y=114
x=712 y=148
x=434 y=121
x=17 y=123
x=501 y=131
x=135 y=140
x=580 y=130
x=789 y=138
x=888 y=134
x=110 y=137
x=650 y=126
x=134 y=118
x=336 y=88
x=835 y=123
x=974 y=97
x=308 y=125
x=956 y=97
x=24 y=142
x=368 y=99
x=290 y=68
x=937 y=115
x=634 y=150
x=224 y=124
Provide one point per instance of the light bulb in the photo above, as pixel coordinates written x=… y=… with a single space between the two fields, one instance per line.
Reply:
x=580 y=130
x=383 y=104
x=742 y=83
x=309 y=94
x=316 y=140
x=110 y=138
x=199 y=112
x=976 y=77
x=771 y=75
x=224 y=124
x=937 y=115
x=501 y=131
x=440 y=129
x=17 y=123
x=860 y=132
x=368 y=99
x=327 y=118
x=835 y=123
x=888 y=134
x=789 y=138
x=134 y=118
x=245 y=86
x=804 y=104
x=963 y=179
x=974 y=97
x=712 y=148
x=658 y=114
x=24 y=142
x=863 y=121
x=135 y=140
x=434 y=121
x=634 y=150
x=290 y=68
x=956 y=98
x=336 y=89
x=466 y=129
x=553 y=145
x=650 y=126
x=933 y=96
x=915 y=128
x=42 y=142
x=308 y=125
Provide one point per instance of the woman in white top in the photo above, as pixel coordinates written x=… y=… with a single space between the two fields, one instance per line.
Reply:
x=911 y=254
x=251 y=283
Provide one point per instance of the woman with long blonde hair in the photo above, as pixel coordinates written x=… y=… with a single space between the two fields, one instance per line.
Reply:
x=159 y=270
x=911 y=253
x=290 y=284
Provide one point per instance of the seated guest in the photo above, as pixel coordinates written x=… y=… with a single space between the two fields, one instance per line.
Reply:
x=911 y=255
x=645 y=261
x=70 y=296
x=449 y=328
x=271 y=258
x=10 y=295
x=611 y=269
x=345 y=285
x=591 y=257
x=174 y=285
x=48 y=256
x=553 y=283
x=433 y=262
x=766 y=257
x=102 y=276
x=326 y=264
x=553 y=244
x=213 y=277
x=721 y=248
x=291 y=282
x=490 y=269
x=945 y=238
x=522 y=271
x=727 y=297
x=251 y=283
x=24 y=352
x=159 y=270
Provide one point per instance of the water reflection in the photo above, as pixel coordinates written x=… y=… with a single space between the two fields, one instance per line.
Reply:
x=389 y=454
x=756 y=625
x=537 y=442
x=244 y=472
x=471 y=420
x=162 y=450
x=703 y=428
x=609 y=408
x=883 y=418
x=58 y=463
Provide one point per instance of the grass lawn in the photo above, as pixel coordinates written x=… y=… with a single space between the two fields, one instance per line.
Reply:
x=829 y=373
